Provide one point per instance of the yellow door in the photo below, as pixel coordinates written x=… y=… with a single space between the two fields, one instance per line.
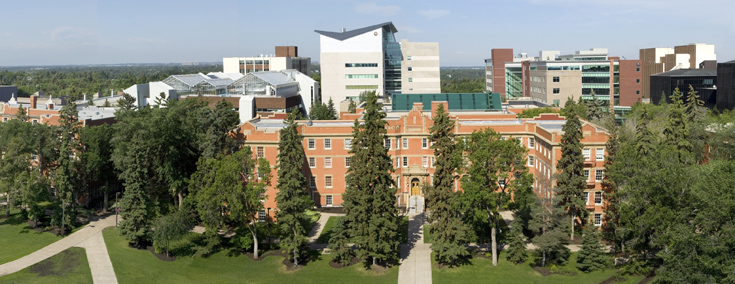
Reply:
x=415 y=188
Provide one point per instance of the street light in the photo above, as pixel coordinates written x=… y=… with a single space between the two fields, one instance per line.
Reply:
x=117 y=207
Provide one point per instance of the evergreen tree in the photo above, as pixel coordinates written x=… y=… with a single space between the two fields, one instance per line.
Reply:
x=352 y=107
x=698 y=132
x=135 y=207
x=218 y=124
x=592 y=255
x=571 y=181
x=517 y=252
x=595 y=107
x=126 y=103
x=676 y=130
x=339 y=243
x=67 y=178
x=611 y=207
x=549 y=226
x=97 y=156
x=369 y=200
x=21 y=114
x=292 y=198
x=693 y=105
x=332 y=114
x=448 y=229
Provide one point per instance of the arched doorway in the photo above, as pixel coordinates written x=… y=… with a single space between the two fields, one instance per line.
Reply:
x=415 y=187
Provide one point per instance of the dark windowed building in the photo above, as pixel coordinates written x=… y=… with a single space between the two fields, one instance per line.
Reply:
x=703 y=81
x=726 y=85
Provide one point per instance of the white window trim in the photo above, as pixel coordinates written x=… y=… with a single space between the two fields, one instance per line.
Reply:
x=424 y=143
x=530 y=160
x=405 y=143
x=531 y=142
x=348 y=143
x=347 y=162
x=328 y=200
x=331 y=180
x=312 y=166
x=594 y=219
x=314 y=179
x=327 y=147
x=330 y=162
x=425 y=161
x=311 y=144
x=600 y=154
x=404 y=162
x=587 y=154
x=602 y=197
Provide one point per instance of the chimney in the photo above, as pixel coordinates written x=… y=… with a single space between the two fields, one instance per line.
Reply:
x=344 y=30
x=34 y=101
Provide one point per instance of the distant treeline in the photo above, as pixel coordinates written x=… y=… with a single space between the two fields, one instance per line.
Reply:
x=77 y=80
x=462 y=80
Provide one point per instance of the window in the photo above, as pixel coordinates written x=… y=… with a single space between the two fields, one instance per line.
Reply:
x=328 y=181
x=386 y=143
x=361 y=87
x=598 y=219
x=637 y=80
x=598 y=198
x=348 y=143
x=586 y=174
x=361 y=76
x=405 y=143
x=34 y=157
x=556 y=102
x=408 y=58
x=556 y=79
x=424 y=143
x=312 y=162
x=328 y=200
x=637 y=92
x=600 y=154
x=410 y=79
x=347 y=162
x=35 y=121
x=586 y=198
x=425 y=161
x=410 y=69
x=556 y=90
x=327 y=144
x=312 y=181
x=5 y=119
x=432 y=161
x=530 y=161
x=261 y=216
x=638 y=69
x=327 y=162
x=405 y=162
x=531 y=142
x=586 y=153
x=598 y=175
x=260 y=152
x=312 y=145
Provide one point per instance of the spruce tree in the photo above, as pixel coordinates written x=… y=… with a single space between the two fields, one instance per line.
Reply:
x=676 y=130
x=339 y=243
x=550 y=228
x=448 y=229
x=698 y=133
x=369 y=199
x=517 y=252
x=332 y=114
x=592 y=255
x=135 y=206
x=292 y=197
x=67 y=179
x=611 y=208
x=21 y=114
x=571 y=181
x=352 y=107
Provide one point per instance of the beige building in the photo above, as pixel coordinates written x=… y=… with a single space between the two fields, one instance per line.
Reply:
x=663 y=59
x=553 y=87
x=420 y=68
x=286 y=57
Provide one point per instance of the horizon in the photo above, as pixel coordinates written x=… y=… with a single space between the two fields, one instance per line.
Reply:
x=86 y=32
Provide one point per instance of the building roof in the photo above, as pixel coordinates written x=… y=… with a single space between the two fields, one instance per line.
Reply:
x=457 y=101
x=348 y=34
x=190 y=79
x=275 y=78
x=688 y=72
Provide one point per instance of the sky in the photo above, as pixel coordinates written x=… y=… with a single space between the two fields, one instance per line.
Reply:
x=80 y=32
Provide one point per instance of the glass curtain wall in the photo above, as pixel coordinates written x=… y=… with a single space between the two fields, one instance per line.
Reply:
x=392 y=65
x=513 y=82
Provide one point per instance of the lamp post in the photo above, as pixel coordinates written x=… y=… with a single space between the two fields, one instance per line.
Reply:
x=268 y=225
x=117 y=207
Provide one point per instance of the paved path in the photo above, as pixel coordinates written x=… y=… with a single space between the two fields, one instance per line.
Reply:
x=416 y=255
x=89 y=237
x=318 y=228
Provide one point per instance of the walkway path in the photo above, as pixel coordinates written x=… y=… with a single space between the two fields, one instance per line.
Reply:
x=318 y=228
x=89 y=237
x=416 y=255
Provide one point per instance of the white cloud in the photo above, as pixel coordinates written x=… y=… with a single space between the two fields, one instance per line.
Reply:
x=372 y=8
x=433 y=13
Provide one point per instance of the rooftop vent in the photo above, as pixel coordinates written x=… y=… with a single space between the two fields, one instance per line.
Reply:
x=344 y=30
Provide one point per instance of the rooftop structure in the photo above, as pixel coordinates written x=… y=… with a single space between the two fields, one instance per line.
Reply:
x=286 y=57
x=658 y=60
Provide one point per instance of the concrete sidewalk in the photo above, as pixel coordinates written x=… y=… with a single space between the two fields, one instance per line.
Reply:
x=99 y=259
x=76 y=239
x=416 y=255
x=316 y=231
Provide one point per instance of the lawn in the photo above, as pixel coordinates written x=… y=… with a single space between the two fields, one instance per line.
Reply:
x=481 y=271
x=69 y=266
x=17 y=239
x=140 y=266
x=327 y=231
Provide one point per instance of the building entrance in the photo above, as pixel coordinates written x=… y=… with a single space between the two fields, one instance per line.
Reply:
x=415 y=189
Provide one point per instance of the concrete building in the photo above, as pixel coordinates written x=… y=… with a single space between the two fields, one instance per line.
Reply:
x=266 y=93
x=327 y=144
x=703 y=81
x=552 y=78
x=726 y=85
x=46 y=110
x=659 y=60
x=286 y=57
x=371 y=58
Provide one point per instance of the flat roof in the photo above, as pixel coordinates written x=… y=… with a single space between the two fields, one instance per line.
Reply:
x=456 y=101
x=348 y=34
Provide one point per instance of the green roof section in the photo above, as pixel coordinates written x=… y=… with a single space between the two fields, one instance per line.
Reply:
x=457 y=101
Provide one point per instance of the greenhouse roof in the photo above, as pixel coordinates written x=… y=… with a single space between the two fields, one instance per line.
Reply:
x=457 y=101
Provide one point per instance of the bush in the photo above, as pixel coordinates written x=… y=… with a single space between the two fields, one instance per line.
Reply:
x=24 y=214
x=243 y=239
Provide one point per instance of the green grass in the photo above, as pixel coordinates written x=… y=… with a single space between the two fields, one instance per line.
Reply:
x=427 y=236
x=17 y=239
x=481 y=270
x=312 y=219
x=140 y=266
x=327 y=231
x=69 y=266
